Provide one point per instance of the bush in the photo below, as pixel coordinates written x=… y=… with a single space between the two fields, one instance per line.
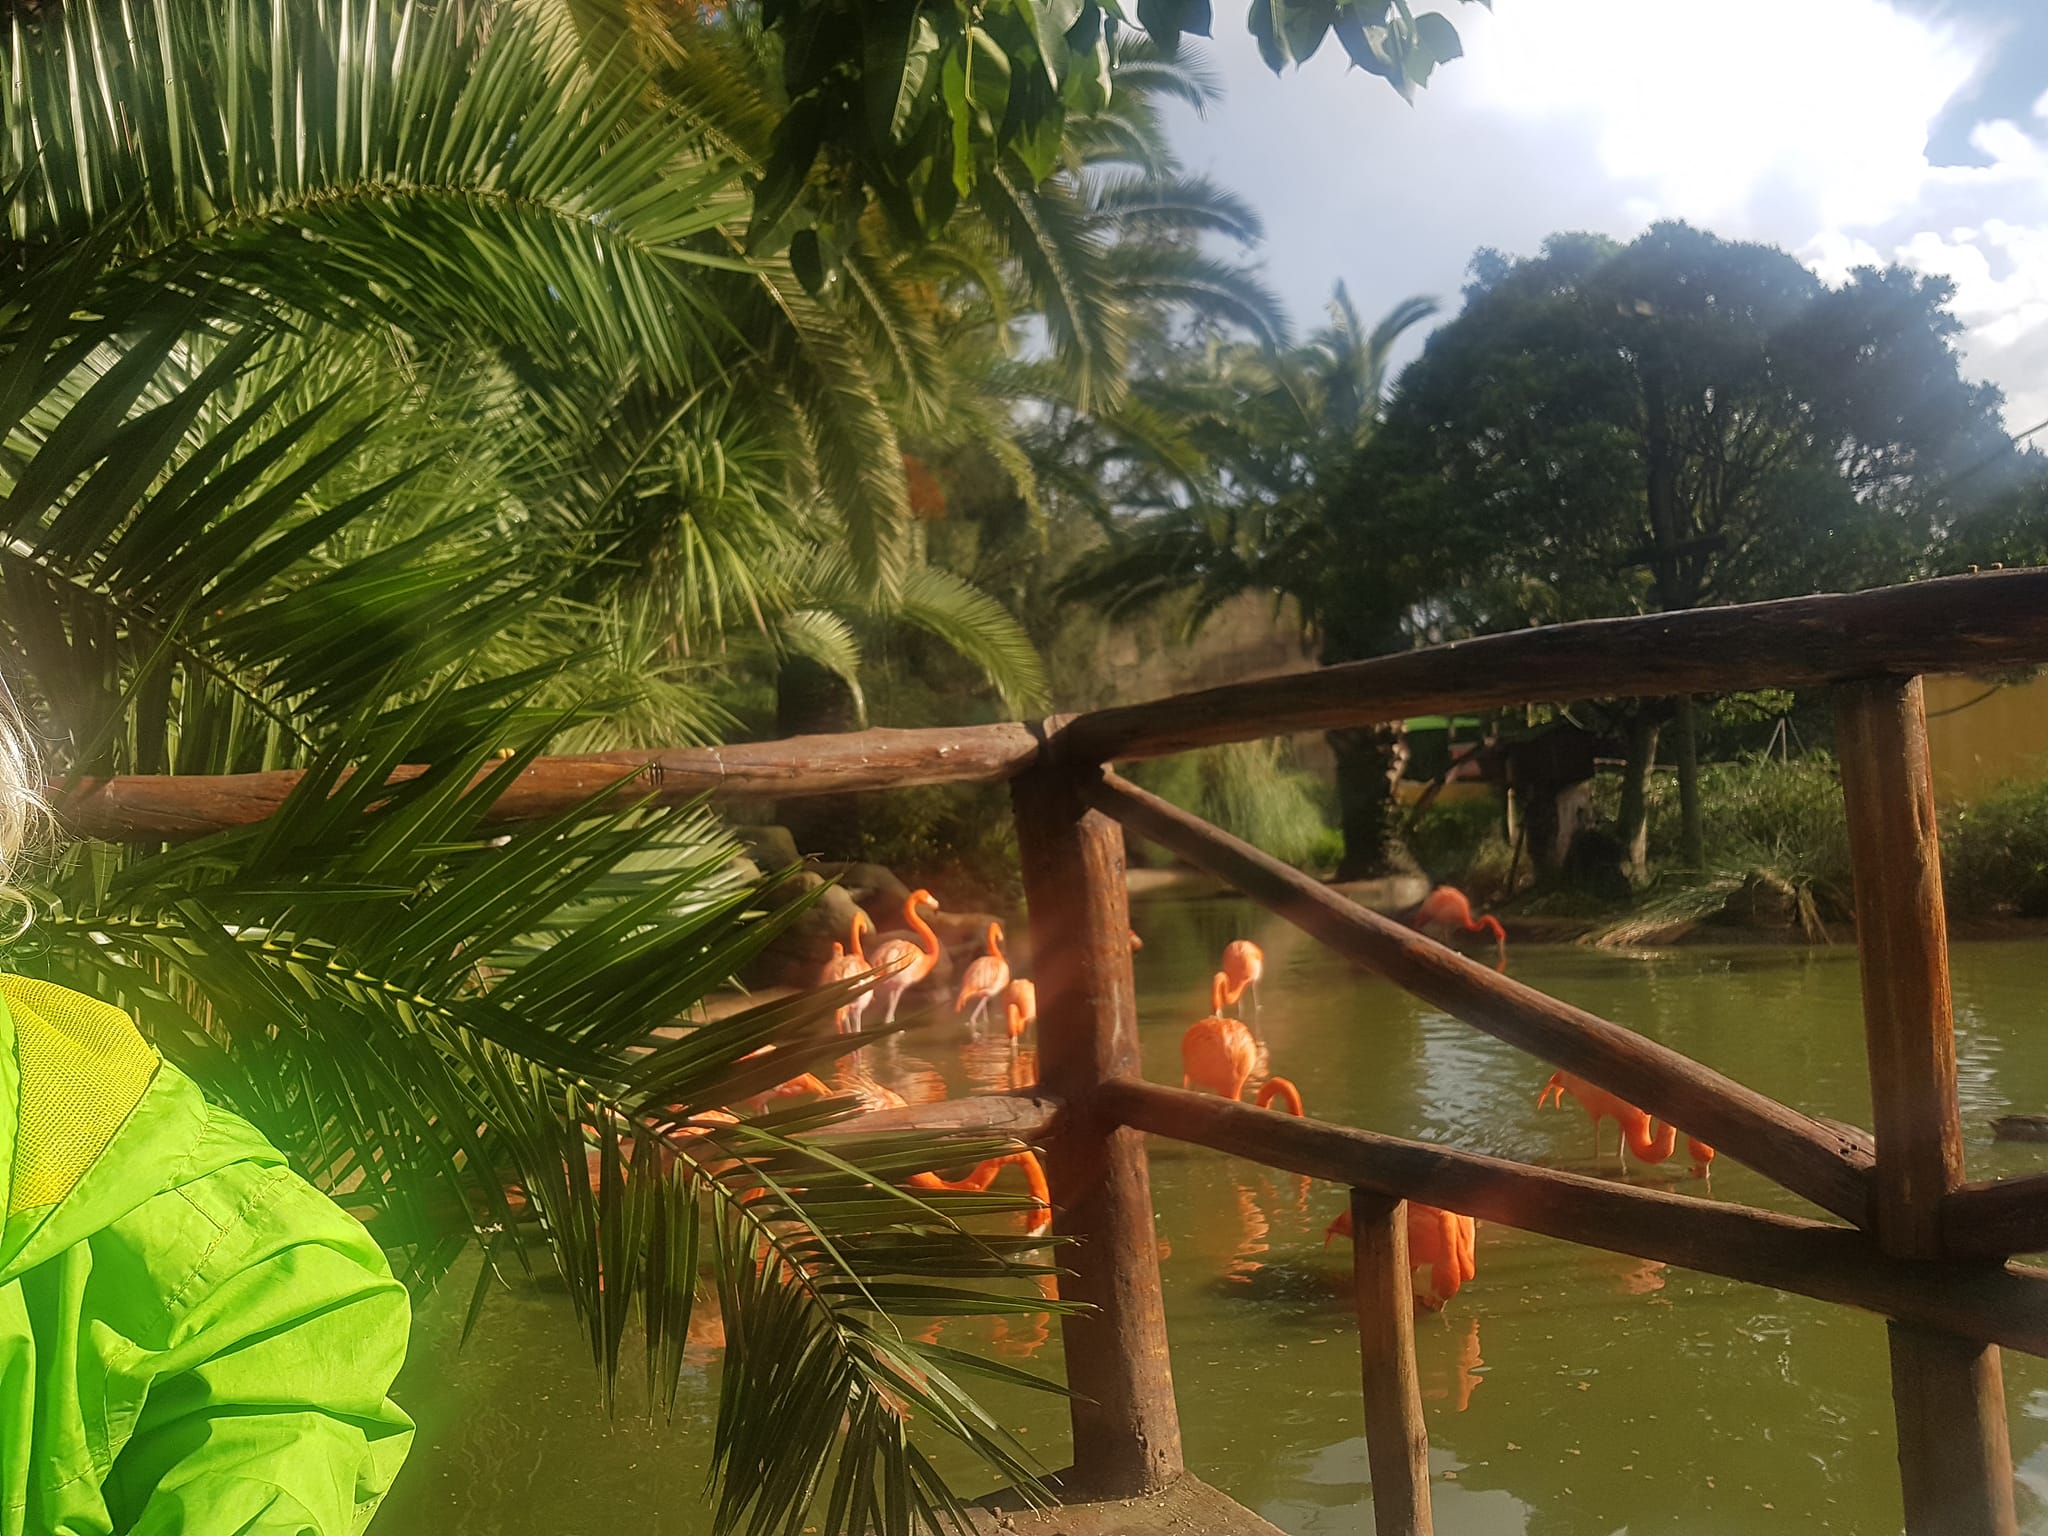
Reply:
x=1994 y=854
x=1252 y=790
x=1461 y=843
x=1766 y=813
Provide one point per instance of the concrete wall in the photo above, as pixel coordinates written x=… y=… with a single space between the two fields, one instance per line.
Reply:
x=1980 y=733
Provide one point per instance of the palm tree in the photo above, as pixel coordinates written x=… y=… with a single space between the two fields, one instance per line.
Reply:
x=286 y=292
x=1230 y=485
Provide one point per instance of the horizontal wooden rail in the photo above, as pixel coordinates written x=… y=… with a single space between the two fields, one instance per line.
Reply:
x=174 y=807
x=1995 y=1218
x=1818 y=1161
x=1999 y=1304
x=1958 y=624
x=1025 y=1115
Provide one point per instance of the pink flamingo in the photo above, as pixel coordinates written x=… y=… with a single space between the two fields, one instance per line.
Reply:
x=1243 y=964
x=985 y=979
x=845 y=965
x=903 y=963
x=1219 y=1054
x=1652 y=1141
x=1446 y=906
x=1439 y=1242
x=1020 y=1007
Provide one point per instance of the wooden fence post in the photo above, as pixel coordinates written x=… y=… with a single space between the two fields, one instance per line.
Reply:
x=1948 y=1394
x=1396 y=1439
x=1126 y=1427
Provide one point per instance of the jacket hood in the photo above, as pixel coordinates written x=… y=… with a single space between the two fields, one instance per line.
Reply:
x=93 y=1122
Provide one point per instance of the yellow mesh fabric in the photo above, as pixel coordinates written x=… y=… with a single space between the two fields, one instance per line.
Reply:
x=83 y=1068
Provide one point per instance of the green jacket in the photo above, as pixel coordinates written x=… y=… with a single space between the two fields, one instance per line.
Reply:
x=192 y=1338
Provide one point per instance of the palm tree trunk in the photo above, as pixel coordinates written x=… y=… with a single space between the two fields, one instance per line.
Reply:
x=1365 y=800
x=1632 y=824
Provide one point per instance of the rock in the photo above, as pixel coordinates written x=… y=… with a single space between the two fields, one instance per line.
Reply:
x=874 y=887
x=770 y=847
x=1763 y=900
x=798 y=953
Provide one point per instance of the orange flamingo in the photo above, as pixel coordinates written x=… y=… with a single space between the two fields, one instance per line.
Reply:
x=1243 y=964
x=1020 y=1006
x=1446 y=906
x=903 y=963
x=985 y=1174
x=1220 y=1054
x=985 y=979
x=848 y=962
x=1652 y=1141
x=1439 y=1241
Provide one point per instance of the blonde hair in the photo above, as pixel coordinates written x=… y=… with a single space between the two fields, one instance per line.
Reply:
x=22 y=811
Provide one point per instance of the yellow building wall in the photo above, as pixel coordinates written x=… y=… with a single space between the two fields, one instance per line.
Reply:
x=1980 y=735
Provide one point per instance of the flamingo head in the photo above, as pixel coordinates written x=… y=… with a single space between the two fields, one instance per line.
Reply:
x=995 y=935
x=921 y=898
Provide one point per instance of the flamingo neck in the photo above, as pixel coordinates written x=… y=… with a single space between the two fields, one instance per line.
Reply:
x=927 y=940
x=1649 y=1146
x=860 y=925
x=995 y=941
x=1280 y=1088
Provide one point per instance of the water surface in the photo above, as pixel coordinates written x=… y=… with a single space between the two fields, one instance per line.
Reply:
x=1567 y=1390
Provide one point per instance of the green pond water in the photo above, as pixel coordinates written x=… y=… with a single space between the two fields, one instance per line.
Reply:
x=1567 y=1390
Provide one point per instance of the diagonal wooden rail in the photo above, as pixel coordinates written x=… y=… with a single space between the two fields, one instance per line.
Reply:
x=1820 y=1161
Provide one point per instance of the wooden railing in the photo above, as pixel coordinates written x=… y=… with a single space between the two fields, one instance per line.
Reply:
x=1899 y=1232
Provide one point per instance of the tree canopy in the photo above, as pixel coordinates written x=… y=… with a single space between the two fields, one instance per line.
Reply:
x=1677 y=421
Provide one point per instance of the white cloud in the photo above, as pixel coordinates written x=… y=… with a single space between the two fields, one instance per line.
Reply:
x=1804 y=123
x=1713 y=106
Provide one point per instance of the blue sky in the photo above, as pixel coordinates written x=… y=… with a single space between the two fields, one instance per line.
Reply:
x=1845 y=131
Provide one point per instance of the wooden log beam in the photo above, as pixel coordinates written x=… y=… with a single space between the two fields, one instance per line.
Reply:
x=1026 y=1115
x=1948 y=1392
x=176 y=807
x=1959 y=624
x=1821 y=1162
x=2002 y=1304
x=1996 y=1218
x=1125 y=1423
x=1396 y=1438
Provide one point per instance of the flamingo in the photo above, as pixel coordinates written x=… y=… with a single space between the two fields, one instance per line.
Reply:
x=903 y=963
x=1136 y=942
x=1219 y=1054
x=985 y=1175
x=1439 y=1241
x=1020 y=1006
x=1447 y=906
x=985 y=979
x=848 y=962
x=1637 y=1134
x=1243 y=963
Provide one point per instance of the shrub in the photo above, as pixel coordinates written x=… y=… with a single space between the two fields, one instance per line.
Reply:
x=1252 y=790
x=1994 y=853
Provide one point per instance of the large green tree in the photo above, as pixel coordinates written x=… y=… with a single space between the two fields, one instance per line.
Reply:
x=400 y=383
x=1682 y=420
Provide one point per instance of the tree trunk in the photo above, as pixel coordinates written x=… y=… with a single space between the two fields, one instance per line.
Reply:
x=1365 y=799
x=1632 y=825
x=810 y=700
x=1692 y=826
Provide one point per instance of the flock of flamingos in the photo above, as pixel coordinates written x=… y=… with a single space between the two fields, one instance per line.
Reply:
x=1221 y=1053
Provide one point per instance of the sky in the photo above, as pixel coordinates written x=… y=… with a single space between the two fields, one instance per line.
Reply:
x=1845 y=131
